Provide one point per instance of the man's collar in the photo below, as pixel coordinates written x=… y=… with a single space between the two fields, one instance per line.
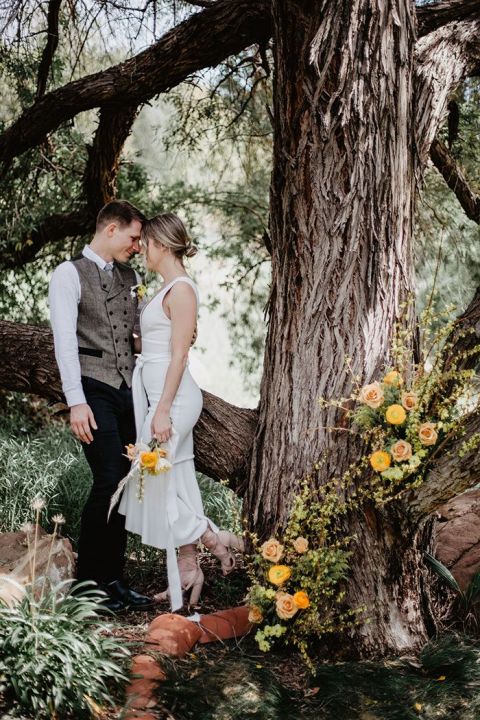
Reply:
x=91 y=255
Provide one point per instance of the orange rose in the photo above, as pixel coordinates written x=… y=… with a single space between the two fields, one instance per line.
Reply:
x=301 y=600
x=255 y=615
x=395 y=415
x=409 y=400
x=393 y=378
x=279 y=574
x=427 y=434
x=380 y=460
x=285 y=606
x=402 y=450
x=272 y=550
x=300 y=545
x=372 y=395
x=148 y=460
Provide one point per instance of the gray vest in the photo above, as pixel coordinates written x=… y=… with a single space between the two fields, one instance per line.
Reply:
x=106 y=316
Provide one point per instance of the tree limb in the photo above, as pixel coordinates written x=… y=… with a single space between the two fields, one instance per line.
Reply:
x=50 y=47
x=99 y=187
x=203 y=40
x=223 y=434
x=455 y=179
x=434 y=16
x=444 y=58
x=103 y=163
x=450 y=474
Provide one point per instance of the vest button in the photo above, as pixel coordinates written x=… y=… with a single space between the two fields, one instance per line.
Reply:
x=125 y=326
x=119 y=354
x=124 y=312
x=110 y=312
x=104 y=287
x=114 y=327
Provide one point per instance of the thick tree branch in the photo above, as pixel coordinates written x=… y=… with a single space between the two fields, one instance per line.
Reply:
x=223 y=435
x=434 y=16
x=201 y=41
x=444 y=58
x=455 y=179
x=104 y=155
x=99 y=187
x=50 y=47
x=450 y=474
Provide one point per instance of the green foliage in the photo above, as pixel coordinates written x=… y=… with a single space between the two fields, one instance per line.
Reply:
x=56 y=655
x=466 y=601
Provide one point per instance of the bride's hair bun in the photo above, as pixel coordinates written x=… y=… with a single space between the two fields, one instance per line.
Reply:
x=168 y=230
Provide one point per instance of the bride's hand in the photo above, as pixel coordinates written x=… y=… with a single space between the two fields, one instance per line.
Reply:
x=161 y=426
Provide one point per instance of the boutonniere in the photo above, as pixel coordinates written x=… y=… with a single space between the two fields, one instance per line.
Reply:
x=138 y=291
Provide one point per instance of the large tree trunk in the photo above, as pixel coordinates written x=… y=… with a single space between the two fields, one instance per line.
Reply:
x=341 y=231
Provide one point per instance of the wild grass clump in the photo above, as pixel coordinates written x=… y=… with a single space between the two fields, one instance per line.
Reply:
x=56 y=658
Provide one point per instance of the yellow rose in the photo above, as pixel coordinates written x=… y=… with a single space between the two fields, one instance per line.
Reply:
x=279 y=574
x=148 y=460
x=286 y=606
x=272 y=550
x=255 y=615
x=372 y=395
x=409 y=400
x=393 y=378
x=427 y=434
x=300 y=545
x=395 y=415
x=380 y=460
x=402 y=450
x=301 y=600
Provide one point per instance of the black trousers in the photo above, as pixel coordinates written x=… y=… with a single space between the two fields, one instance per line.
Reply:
x=102 y=544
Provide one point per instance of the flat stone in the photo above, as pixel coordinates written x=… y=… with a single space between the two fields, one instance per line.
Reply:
x=457 y=536
x=225 y=624
x=54 y=561
x=173 y=634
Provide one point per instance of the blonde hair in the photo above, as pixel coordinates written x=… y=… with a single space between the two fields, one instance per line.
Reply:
x=168 y=230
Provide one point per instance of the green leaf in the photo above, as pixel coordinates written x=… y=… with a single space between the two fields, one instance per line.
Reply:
x=472 y=593
x=442 y=571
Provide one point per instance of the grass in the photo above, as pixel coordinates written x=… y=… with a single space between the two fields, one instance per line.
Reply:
x=39 y=456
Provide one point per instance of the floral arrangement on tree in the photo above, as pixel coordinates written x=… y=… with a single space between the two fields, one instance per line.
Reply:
x=402 y=420
x=294 y=596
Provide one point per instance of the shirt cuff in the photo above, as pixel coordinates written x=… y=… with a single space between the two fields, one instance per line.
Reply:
x=75 y=397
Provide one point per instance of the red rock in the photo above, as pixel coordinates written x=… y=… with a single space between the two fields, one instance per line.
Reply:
x=173 y=634
x=457 y=534
x=225 y=624
x=141 y=690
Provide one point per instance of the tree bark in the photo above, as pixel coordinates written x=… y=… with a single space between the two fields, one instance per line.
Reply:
x=223 y=435
x=351 y=142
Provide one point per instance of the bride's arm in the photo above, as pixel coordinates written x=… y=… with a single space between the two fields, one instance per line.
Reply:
x=182 y=308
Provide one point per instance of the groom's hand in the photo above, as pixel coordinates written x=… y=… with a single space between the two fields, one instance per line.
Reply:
x=82 y=422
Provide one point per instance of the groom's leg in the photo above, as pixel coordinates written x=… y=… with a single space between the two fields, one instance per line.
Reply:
x=102 y=545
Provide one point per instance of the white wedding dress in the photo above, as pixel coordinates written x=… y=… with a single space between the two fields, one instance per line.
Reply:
x=171 y=512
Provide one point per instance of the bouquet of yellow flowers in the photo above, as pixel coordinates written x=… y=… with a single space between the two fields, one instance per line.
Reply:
x=398 y=425
x=294 y=596
x=147 y=460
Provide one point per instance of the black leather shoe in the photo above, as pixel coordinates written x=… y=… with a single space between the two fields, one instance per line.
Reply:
x=119 y=591
x=112 y=604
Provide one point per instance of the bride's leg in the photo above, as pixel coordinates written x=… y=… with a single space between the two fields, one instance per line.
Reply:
x=191 y=575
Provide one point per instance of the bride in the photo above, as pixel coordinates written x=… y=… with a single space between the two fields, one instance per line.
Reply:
x=167 y=404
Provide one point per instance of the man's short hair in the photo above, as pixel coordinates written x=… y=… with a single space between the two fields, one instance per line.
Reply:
x=118 y=211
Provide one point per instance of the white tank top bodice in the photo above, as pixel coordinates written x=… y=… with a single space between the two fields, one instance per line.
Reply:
x=155 y=326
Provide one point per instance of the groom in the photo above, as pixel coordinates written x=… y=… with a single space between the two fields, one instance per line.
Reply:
x=93 y=312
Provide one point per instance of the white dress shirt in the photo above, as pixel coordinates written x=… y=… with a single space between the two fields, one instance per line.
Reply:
x=64 y=296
